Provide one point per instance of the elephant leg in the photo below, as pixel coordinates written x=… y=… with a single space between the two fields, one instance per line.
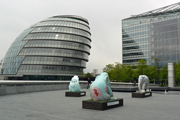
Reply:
x=147 y=86
x=109 y=91
x=140 y=86
x=144 y=86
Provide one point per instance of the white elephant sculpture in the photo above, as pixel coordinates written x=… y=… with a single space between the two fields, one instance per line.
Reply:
x=143 y=83
x=74 y=85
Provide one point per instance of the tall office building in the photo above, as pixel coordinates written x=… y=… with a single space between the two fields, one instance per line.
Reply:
x=56 y=48
x=152 y=34
x=95 y=72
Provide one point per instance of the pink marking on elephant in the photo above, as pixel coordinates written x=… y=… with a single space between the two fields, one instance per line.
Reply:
x=97 y=94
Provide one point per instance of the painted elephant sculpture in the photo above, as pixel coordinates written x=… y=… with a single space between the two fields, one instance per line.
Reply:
x=74 y=85
x=100 y=89
x=143 y=83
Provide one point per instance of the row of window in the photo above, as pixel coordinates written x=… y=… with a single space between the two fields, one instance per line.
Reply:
x=54 y=52
x=9 y=70
x=133 y=54
x=58 y=36
x=63 y=30
x=135 y=21
x=11 y=64
x=165 y=28
x=129 y=48
x=166 y=45
x=142 y=46
x=134 y=57
x=165 y=35
x=134 y=51
x=166 y=51
x=135 y=41
x=168 y=57
x=69 y=19
x=49 y=69
x=135 y=34
x=63 y=23
x=146 y=20
x=135 y=28
x=54 y=61
x=57 y=44
x=130 y=61
x=163 y=23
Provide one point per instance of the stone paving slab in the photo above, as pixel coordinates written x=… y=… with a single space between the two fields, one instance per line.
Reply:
x=53 y=105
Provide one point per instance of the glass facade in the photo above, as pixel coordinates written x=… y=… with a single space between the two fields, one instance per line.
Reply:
x=56 y=48
x=152 y=34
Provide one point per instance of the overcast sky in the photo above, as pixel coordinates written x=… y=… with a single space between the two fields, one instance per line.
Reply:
x=104 y=18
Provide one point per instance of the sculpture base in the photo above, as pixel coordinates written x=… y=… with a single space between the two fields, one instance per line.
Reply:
x=75 y=94
x=141 y=95
x=102 y=105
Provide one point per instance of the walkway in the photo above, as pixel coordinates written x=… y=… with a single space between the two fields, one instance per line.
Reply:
x=53 y=105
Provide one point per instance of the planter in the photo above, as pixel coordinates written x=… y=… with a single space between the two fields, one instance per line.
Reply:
x=75 y=94
x=102 y=105
x=141 y=95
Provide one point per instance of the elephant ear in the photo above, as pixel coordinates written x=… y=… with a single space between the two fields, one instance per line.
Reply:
x=96 y=77
x=107 y=80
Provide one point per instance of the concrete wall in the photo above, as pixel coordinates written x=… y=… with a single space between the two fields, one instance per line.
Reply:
x=171 y=75
x=17 y=89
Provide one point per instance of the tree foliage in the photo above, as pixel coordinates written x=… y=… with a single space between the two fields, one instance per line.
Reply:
x=108 y=68
x=142 y=68
x=88 y=75
x=129 y=73
x=177 y=73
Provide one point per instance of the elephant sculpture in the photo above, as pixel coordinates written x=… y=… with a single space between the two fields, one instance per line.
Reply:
x=74 y=85
x=100 y=89
x=143 y=83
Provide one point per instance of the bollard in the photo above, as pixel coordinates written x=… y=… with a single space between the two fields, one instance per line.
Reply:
x=165 y=91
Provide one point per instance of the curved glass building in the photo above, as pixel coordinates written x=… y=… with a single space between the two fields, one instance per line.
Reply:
x=56 y=48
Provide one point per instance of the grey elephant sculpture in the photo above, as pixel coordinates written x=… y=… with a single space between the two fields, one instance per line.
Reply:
x=143 y=83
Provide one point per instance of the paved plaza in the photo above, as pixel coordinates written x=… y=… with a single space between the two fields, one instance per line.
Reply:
x=53 y=105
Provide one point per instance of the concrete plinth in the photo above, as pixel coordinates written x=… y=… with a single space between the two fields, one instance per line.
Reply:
x=141 y=95
x=75 y=94
x=102 y=105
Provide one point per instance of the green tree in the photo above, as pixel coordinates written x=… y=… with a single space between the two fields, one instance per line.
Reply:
x=88 y=75
x=157 y=69
x=121 y=72
x=164 y=74
x=115 y=73
x=142 y=68
x=126 y=73
x=108 y=68
x=151 y=73
x=177 y=72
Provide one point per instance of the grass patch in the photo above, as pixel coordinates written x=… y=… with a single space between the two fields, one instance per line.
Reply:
x=142 y=92
x=91 y=100
x=161 y=85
